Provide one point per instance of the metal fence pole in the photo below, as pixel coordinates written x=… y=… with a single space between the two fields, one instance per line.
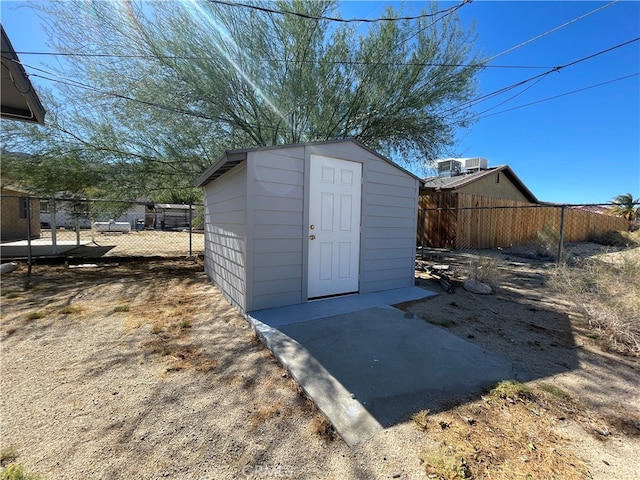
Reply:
x=190 y=230
x=53 y=226
x=29 y=257
x=561 y=239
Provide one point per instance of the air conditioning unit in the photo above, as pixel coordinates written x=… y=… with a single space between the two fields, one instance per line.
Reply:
x=449 y=167
x=475 y=164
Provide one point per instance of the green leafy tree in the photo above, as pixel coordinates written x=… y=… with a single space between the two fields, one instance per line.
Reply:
x=626 y=206
x=160 y=89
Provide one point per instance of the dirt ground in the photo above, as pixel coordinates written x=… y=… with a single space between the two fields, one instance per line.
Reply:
x=143 y=370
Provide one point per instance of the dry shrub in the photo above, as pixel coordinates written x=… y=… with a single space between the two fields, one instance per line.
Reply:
x=510 y=434
x=323 y=428
x=607 y=290
x=485 y=269
x=547 y=240
x=171 y=317
x=71 y=310
x=264 y=413
x=616 y=238
x=421 y=419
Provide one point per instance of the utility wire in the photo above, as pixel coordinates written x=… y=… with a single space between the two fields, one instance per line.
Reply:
x=468 y=104
x=537 y=37
x=561 y=95
x=318 y=62
x=75 y=83
x=507 y=100
x=475 y=101
x=337 y=19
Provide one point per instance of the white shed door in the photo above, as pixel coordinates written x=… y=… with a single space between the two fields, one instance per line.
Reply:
x=334 y=226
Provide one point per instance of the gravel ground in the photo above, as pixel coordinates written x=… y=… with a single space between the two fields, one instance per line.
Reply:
x=143 y=370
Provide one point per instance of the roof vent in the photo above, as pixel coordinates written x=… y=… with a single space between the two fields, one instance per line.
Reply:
x=449 y=168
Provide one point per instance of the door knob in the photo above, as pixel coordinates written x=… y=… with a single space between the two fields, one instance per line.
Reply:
x=312 y=237
x=312 y=227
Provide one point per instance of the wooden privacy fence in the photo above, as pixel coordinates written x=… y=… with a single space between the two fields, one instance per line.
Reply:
x=458 y=221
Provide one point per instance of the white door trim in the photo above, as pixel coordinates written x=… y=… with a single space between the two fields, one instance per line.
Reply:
x=335 y=195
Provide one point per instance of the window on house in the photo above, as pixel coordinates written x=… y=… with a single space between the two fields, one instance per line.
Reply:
x=44 y=206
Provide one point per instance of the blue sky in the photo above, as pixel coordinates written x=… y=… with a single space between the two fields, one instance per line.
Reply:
x=579 y=148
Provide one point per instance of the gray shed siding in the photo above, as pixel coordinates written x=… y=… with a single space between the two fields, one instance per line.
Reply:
x=276 y=216
x=257 y=224
x=225 y=234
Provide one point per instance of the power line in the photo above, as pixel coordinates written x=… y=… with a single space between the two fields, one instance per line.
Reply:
x=482 y=98
x=562 y=95
x=537 y=37
x=337 y=19
x=507 y=100
x=318 y=62
x=75 y=83
x=468 y=104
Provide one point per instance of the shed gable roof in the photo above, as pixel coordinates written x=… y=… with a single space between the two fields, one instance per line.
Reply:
x=231 y=158
x=443 y=184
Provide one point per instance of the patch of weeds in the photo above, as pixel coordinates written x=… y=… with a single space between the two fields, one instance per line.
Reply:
x=511 y=389
x=444 y=464
x=11 y=470
x=514 y=430
x=323 y=428
x=547 y=240
x=606 y=291
x=157 y=329
x=614 y=238
x=17 y=472
x=485 y=269
x=8 y=455
x=8 y=294
x=421 y=419
x=264 y=413
x=554 y=390
x=121 y=309
x=35 y=315
x=185 y=324
x=70 y=310
x=446 y=323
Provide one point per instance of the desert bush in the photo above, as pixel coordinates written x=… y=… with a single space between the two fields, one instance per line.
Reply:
x=546 y=241
x=607 y=290
x=485 y=269
x=17 y=472
x=616 y=238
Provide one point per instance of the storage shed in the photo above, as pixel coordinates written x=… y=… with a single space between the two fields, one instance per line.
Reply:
x=288 y=224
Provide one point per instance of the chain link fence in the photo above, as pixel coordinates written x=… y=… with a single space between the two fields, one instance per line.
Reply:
x=35 y=227
x=473 y=223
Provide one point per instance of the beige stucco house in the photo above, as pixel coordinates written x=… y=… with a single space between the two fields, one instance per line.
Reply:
x=14 y=206
x=496 y=182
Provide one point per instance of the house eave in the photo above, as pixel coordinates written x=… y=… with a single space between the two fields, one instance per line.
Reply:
x=19 y=99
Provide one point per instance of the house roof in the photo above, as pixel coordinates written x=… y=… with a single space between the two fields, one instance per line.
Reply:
x=19 y=99
x=231 y=158
x=440 y=184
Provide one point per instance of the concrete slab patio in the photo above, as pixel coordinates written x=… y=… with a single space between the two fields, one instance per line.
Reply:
x=367 y=365
x=40 y=247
